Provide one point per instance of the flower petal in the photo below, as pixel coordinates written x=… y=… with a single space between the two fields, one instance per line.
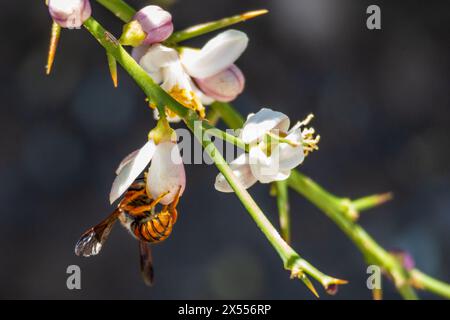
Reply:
x=130 y=168
x=126 y=161
x=266 y=169
x=224 y=86
x=158 y=56
x=241 y=170
x=261 y=123
x=217 y=55
x=166 y=173
x=289 y=156
x=175 y=76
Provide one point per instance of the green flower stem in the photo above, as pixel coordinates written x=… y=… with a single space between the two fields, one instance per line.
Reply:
x=213 y=117
x=292 y=261
x=212 y=131
x=119 y=8
x=204 y=28
x=370 y=202
x=343 y=212
x=366 y=244
x=229 y=114
x=145 y=82
x=328 y=203
x=125 y=13
x=283 y=209
x=425 y=282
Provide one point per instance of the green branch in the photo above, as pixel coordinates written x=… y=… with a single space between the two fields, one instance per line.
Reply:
x=281 y=188
x=119 y=8
x=230 y=116
x=341 y=211
x=424 y=282
x=208 y=27
x=291 y=260
x=330 y=205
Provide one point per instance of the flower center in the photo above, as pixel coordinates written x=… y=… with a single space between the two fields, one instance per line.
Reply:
x=188 y=99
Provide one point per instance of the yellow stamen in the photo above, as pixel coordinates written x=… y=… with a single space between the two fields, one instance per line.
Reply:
x=310 y=142
x=188 y=99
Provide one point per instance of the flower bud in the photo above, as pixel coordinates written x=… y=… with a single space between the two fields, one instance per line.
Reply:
x=224 y=86
x=69 y=13
x=155 y=22
x=405 y=258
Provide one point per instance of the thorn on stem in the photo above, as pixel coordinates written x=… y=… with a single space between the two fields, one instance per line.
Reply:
x=253 y=14
x=385 y=197
x=297 y=273
x=112 y=64
x=332 y=285
x=54 y=39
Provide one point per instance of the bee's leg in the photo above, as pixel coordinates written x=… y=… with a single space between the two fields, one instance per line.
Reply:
x=146 y=263
x=173 y=206
x=134 y=195
x=148 y=207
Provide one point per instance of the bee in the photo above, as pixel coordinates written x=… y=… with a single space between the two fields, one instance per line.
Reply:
x=136 y=212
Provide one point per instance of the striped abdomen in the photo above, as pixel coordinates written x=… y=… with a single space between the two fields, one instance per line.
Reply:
x=154 y=229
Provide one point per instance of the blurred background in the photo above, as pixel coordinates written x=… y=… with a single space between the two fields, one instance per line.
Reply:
x=382 y=108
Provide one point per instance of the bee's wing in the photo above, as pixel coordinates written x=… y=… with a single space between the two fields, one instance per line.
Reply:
x=146 y=263
x=92 y=240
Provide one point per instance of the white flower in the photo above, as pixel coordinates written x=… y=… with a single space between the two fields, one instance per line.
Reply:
x=69 y=13
x=163 y=64
x=165 y=174
x=274 y=150
x=212 y=68
x=217 y=54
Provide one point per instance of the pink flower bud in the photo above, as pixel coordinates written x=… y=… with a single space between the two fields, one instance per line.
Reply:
x=405 y=258
x=156 y=23
x=224 y=86
x=69 y=13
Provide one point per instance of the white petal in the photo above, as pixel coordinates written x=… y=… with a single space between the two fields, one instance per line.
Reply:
x=156 y=76
x=130 y=168
x=217 y=55
x=158 y=56
x=127 y=160
x=261 y=123
x=166 y=173
x=174 y=75
x=290 y=157
x=241 y=170
x=266 y=169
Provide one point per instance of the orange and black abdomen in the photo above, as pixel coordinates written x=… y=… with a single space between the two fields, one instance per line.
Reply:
x=154 y=229
x=141 y=220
